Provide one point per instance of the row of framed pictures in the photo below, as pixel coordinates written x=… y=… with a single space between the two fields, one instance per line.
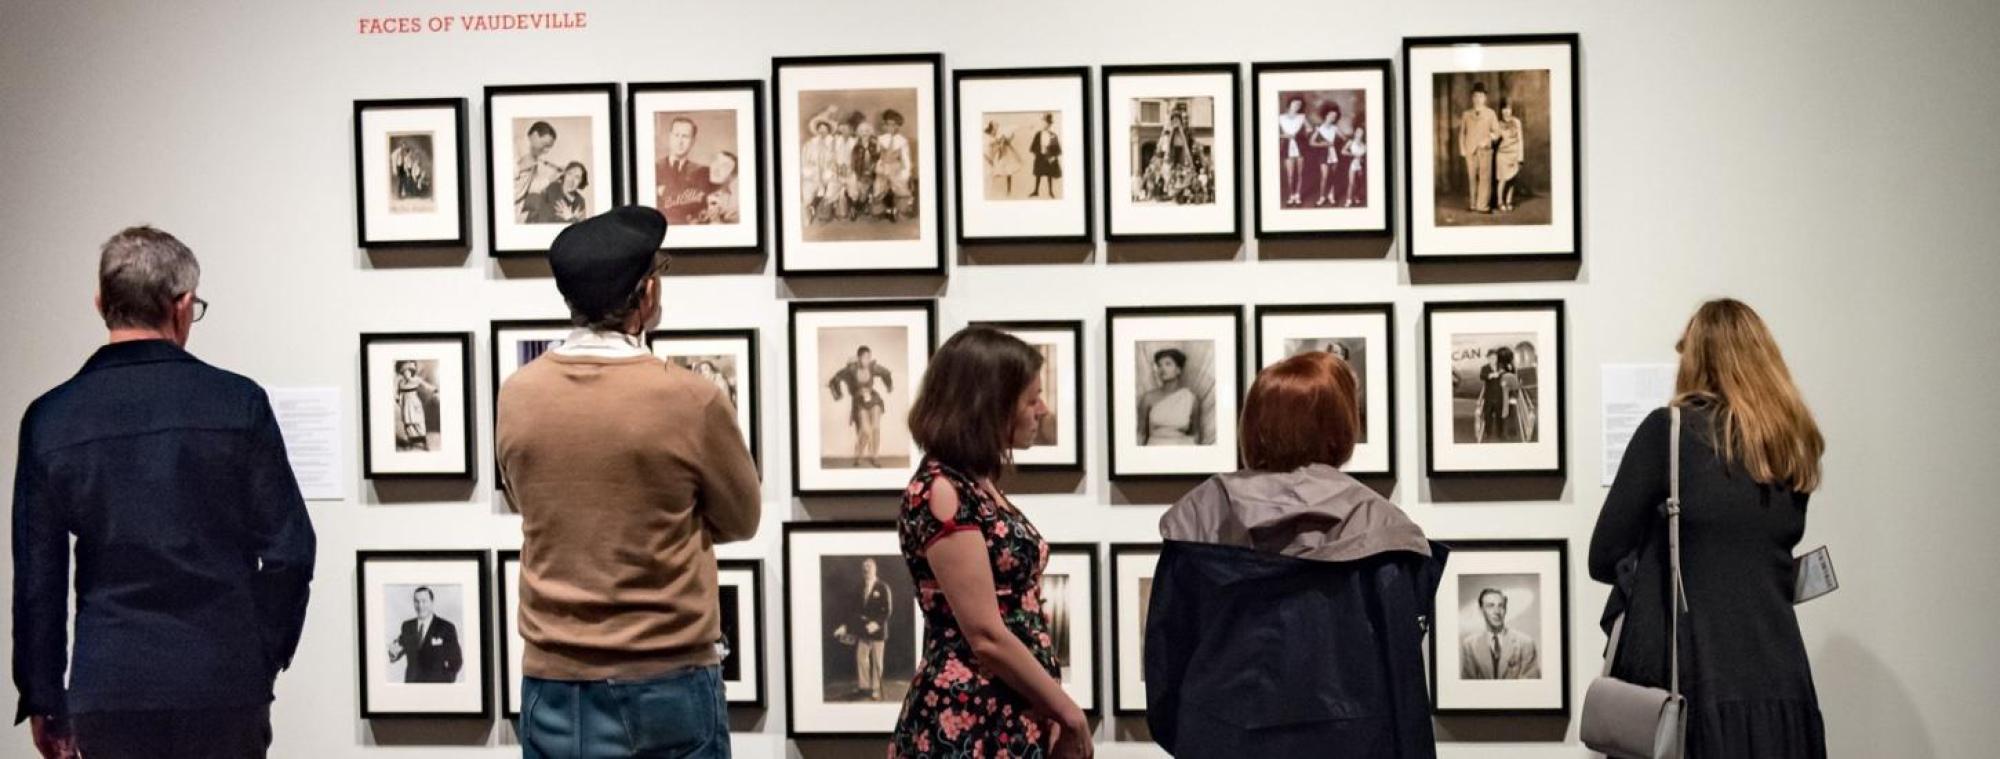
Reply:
x=426 y=635
x=1493 y=387
x=1491 y=132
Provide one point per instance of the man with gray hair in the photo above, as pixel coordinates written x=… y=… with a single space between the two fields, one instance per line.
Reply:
x=193 y=547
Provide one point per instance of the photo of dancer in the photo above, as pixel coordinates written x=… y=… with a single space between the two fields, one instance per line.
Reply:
x=1023 y=155
x=1323 y=148
x=410 y=170
x=1176 y=392
x=858 y=167
x=417 y=410
x=860 y=391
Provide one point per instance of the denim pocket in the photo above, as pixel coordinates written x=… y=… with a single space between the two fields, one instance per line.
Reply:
x=673 y=716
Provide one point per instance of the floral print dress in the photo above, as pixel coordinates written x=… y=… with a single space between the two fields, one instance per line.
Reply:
x=953 y=708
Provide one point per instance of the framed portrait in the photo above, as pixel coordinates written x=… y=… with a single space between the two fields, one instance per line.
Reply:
x=410 y=174
x=725 y=357
x=416 y=405
x=551 y=161
x=1170 y=153
x=423 y=635
x=1132 y=566
x=509 y=566
x=853 y=632
x=1363 y=335
x=1058 y=445
x=1322 y=161
x=515 y=342
x=858 y=155
x=697 y=154
x=740 y=584
x=1023 y=147
x=855 y=369
x=1493 y=385
x=1176 y=381
x=1069 y=600
x=1502 y=616
x=1492 y=146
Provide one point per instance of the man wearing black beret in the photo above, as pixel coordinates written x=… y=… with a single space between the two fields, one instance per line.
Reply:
x=626 y=471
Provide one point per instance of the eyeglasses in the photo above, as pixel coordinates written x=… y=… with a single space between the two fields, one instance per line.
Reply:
x=200 y=309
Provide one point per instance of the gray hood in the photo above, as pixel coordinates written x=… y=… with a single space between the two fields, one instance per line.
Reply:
x=1317 y=512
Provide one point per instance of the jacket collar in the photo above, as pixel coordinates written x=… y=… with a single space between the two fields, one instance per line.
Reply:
x=135 y=352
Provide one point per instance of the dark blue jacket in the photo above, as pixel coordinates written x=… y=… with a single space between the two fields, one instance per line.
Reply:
x=1250 y=653
x=193 y=548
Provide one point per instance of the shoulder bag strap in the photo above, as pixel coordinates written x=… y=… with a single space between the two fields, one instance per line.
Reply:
x=1674 y=541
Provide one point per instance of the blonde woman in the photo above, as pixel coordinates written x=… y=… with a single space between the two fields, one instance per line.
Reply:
x=1750 y=459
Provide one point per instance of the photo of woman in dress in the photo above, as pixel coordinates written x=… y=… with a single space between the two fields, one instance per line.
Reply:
x=1508 y=156
x=1003 y=159
x=1291 y=154
x=416 y=406
x=1174 y=401
x=856 y=383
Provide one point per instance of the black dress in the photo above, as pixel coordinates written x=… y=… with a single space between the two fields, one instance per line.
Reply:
x=1743 y=665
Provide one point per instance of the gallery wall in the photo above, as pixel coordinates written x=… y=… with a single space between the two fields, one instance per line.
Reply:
x=1829 y=162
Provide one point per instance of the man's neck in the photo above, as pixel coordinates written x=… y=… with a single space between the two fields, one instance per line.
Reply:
x=1496 y=631
x=132 y=335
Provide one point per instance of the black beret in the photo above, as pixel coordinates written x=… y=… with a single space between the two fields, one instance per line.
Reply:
x=599 y=261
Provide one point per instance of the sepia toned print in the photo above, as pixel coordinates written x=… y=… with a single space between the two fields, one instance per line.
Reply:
x=868 y=620
x=412 y=167
x=695 y=159
x=552 y=169
x=1492 y=143
x=718 y=369
x=1494 y=380
x=1323 y=148
x=858 y=164
x=1023 y=155
x=417 y=411
x=1173 y=143
x=862 y=367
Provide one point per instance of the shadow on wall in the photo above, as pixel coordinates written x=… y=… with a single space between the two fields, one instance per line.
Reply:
x=1843 y=665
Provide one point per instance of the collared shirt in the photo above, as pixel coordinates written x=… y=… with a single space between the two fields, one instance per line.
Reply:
x=583 y=342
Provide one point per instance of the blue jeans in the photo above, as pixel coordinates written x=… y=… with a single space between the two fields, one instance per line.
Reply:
x=676 y=715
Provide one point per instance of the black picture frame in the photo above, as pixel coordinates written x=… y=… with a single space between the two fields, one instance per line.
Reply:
x=1385 y=152
x=1087 y=185
x=464 y=340
x=1561 y=468
x=792 y=686
x=756 y=569
x=1106 y=74
x=1090 y=550
x=502 y=624
x=753 y=382
x=1464 y=548
x=1111 y=396
x=615 y=123
x=361 y=174
x=929 y=309
x=495 y=330
x=1411 y=253
x=758 y=128
x=1117 y=628
x=483 y=603
x=1383 y=309
x=778 y=156
x=1075 y=328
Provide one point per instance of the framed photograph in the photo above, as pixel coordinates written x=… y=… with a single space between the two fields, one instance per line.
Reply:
x=551 y=161
x=1170 y=153
x=1023 y=147
x=1322 y=166
x=423 y=635
x=1363 y=335
x=1493 y=374
x=1492 y=146
x=1176 y=381
x=1504 y=606
x=853 y=632
x=855 y=368
x=858 y=155
x=1132 y=566
x=509 y=564
x=697 y=154
x=416 y=405
x=1058 y=444
x=515 y=342
x=726 y=357
x=1069 y=600
x=740 y=583
x=410 y=174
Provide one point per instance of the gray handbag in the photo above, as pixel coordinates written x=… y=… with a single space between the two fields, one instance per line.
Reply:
x=1631 y=721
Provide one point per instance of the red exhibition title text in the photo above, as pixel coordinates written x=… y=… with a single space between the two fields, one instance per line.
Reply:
x=482 y=22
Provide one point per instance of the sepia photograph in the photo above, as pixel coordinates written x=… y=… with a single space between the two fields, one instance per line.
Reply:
x=1023 y=157
x=1353 y=351
x=1174 y=388
x=859 y=167
x=552 y=170
x=1132 y=566
x=549 y=161
x=1175 y=392
x=423 y=625
x=1322 y=150
x=868 y=613
x=1056 y=446
x=696 y=153
x=1023 y=152
x=1173 y=150
x=1499 y=623
x=1494 y=388
x=862 y=368
x=855 y=366
x=852 y=628
x=423 y=639
x=718 y=369
x=1503 y=605
x=695 y=162
x=416 y=409
x=410 y=173
x=1493 y=152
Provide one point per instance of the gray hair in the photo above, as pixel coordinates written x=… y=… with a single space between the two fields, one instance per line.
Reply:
x=141 y=272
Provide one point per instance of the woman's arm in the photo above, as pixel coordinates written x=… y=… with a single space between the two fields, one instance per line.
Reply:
x=1145 y=417
x=1632 y=505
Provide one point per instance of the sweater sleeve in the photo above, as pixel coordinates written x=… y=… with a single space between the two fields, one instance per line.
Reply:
x=731 y=496
x=1633 y=503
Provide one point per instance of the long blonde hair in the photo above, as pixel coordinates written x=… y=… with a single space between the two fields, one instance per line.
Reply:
x=1729 y=359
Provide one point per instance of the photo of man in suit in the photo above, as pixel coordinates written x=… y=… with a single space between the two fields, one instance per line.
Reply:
x=1495 y=651
x=683 y=183
x=429 y=642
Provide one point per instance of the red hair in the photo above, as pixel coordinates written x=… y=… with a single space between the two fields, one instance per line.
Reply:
x=1300 y=411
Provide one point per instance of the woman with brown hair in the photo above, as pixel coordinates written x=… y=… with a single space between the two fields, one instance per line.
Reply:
x=988 y=683
x=1750 y=459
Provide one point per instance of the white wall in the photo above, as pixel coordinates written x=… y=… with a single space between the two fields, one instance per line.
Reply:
x=1833 y=163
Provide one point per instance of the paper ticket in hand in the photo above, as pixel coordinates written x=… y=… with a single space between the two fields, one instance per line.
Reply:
x=1812 y=576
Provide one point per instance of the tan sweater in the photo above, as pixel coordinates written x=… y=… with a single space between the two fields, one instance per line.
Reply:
x=626 y=472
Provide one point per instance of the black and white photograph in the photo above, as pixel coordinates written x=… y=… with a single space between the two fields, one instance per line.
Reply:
x=416 y=405
x=726 y=358
x=1363 y=336
x=1170 y=152
x=856 y=365
x=1321 y=142
x=1023 y=155
x=697 y=155
x=423 y=633
x=1175 y=387
x=409 y=173
x=550 y=161
x=1500 y=645
x=857 y=164
x=1132 y=567
x=515 y=343
x=1058 y=443
x=1069 y=601
x=1492 y=135
x=1493 y=387
x=852 y=628
x=508 y=619
x=740 y=585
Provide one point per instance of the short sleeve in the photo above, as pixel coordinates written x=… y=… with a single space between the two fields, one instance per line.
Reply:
x=921 y=526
